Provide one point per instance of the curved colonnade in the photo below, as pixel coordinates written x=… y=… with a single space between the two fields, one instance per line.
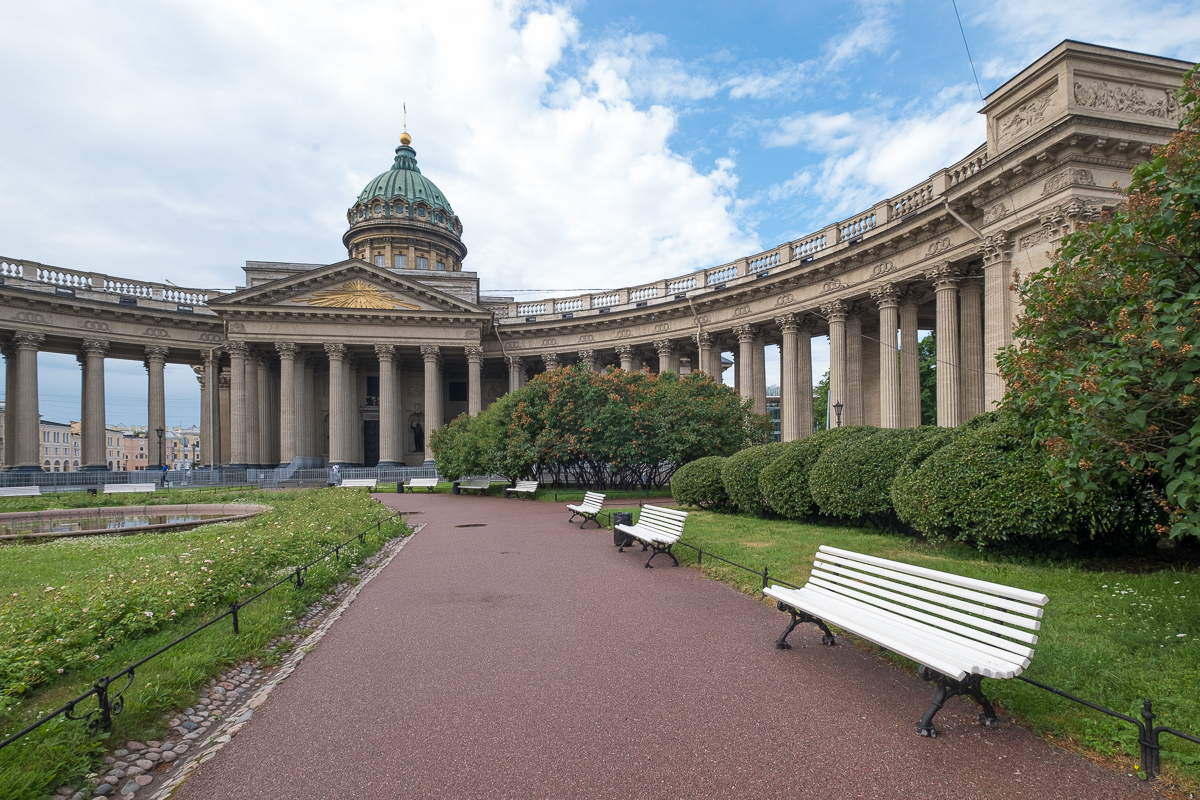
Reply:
x=342 y=363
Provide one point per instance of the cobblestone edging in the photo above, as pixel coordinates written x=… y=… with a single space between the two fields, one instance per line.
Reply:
x=154 y=770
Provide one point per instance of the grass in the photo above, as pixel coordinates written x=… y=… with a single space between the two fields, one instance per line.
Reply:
x=1109 y=635
x=77 y=609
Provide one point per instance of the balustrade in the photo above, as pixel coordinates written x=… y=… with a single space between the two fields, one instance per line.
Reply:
x=574 y=304
x=530 y=309
x=810 y=246
x=763 y=262
x=913 y=200
x=11 y=270
x=968 y=167
x=681 y=285
x=62 y=277
x=644 y=293
x=854 y=228
x=722 y=275
x=606 y=300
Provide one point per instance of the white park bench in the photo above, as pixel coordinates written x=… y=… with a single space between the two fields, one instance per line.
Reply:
x=588 y=509
x=128 y=488
x=657 y=529
x=958 y=630
x=523 y=488
x=428 y=484
x=477 y=485
x=20 y=491
x=359 y=482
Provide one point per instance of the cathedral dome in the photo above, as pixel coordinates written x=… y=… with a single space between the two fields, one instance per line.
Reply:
x=404 y=194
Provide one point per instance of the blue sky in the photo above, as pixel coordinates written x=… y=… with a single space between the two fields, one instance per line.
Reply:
x=584 y=145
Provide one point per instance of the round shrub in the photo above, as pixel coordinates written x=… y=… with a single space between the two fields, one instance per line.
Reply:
x=987 y=485
x=740 y=475
x=853 y=477
x=784 y=482
x=699 y=483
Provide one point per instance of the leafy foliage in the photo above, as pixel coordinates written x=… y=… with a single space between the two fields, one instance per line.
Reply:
x=698 y=483
x=785 y=482
x=617 y=428
x=853 y=477
x=1107 y=372
x=741 y=472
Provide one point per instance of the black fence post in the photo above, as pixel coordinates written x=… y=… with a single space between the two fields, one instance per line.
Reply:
x=233 y=609
x=764 y=578
x=1149 y=742
x=105 y=721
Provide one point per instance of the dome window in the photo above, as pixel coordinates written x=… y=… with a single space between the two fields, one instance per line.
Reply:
x=420 y=212
x=422 y=262
x=379 y=261
x=441 y=265
x=398 y=208
x=378 y=209
x=401 y=262
x=360 y=213
x=440 y=218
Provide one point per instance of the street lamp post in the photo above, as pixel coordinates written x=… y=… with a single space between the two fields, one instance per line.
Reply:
x=160 y=433
x=837 y=410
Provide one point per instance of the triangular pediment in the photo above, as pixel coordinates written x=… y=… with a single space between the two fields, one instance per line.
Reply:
x=348 y=286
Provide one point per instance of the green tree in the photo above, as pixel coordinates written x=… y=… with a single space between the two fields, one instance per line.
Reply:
x=1106 y=373
x=927 y=362
x=821 y=404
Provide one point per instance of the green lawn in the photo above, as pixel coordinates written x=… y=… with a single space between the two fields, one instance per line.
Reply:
x=72 y=610
x=1111 y=636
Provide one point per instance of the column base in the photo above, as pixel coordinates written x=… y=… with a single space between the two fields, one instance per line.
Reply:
x=236 y=466
x=388 y=464
x=95 y=468
x=429 y=462
x=26 y=468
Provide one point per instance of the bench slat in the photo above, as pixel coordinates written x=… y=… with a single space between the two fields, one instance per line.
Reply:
x=999 y=589
x=983 y=617
x=929 y=620
x=1033 y=612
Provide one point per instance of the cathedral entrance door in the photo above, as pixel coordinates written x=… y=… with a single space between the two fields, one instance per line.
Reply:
x=370 y=442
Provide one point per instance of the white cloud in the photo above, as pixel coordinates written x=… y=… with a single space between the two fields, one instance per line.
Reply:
x=176 y=141
x=869 y=156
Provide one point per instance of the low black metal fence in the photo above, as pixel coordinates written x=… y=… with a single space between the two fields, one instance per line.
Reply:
x=1148 y=732
x=110 y=704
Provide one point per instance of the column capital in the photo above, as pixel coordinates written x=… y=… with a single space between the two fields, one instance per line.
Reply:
x=198 y=369
x=971 y=284
x=515 y=362
x=835 y=311
x=474 y=354
x=386 y=352
x=95 y=347
x=588 y=357
x=287 y=350
x=28 y=340
x=335 y=351
x=943 y=276
x=431 y=352
x=239 y=349
x=886 y=296
x=787 y=323
x=212 y=356
x=224 y=380
x=550 y=360
x=998 y=247
x=745 y=333
x=625 y=350
x=665 y=347
x=704 y=339
x=156 y=352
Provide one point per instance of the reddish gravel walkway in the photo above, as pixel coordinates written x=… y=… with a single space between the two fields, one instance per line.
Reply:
x=529 y=659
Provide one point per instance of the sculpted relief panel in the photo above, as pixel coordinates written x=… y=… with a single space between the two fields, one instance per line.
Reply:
x=1026 y=115
x=1128 y=98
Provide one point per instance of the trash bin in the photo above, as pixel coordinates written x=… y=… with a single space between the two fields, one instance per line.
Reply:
x=454 y=488
x=621 y=518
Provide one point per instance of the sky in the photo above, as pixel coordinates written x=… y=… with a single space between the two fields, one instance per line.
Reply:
x=584 y=145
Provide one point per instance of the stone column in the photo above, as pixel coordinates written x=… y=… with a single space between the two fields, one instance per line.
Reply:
x=945 y=280
x=353 y=415
x=290 y=418
x=516 y=373
x=704 y=343
x=304 y=415
x=205 y=418
x=433 y=416
x=997 y=313
x=10 y=411
x=474 y=380
x=91 y=358
x=970 y=301
x=888 y=299
x=225 y=407
x=156 y=359
x=760 y=374
x=625 y=352
x=389 y=411
x=250 y=414
x=910 y=362
x=666 y=355
x=835 y=312
x=804 y=370
x=25 y=425
x=266 y=458
x=210 y=412
x=339 y=452
x=588 y=358
x=745 y=362
x=550 y=360
x=789 y=379
x=238 y=435
x=853 y=414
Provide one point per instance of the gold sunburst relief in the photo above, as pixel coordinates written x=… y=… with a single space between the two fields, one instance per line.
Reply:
x=355 y=294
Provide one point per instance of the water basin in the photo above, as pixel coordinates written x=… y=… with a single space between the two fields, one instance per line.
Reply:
x=120 y=520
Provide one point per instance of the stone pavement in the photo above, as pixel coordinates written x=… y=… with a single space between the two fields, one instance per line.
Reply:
x=527 y=658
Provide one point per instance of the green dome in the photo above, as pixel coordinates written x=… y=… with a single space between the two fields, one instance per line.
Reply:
x=405 y=181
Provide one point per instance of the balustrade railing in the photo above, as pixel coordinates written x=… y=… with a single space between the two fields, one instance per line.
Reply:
x=574 y=304
x=857 y=227
x=721 y=275
x=810 y=246
x=606 y=300
x=763 y=262
x=681 y=285
x=967 y=167
x=530 y=309
x=11 y=270
x=59 y=277
x=644 y=293
x=912 y=201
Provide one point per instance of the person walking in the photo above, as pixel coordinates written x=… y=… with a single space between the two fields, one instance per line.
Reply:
x=335 y=475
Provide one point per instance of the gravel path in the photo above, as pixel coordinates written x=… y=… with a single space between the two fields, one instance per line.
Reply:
x=528 y=659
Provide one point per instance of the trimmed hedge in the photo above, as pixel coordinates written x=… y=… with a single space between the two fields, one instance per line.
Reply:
x=985 y=484
x=784 y=482
x=699 y=483
x=740 y=475
x=853 y=477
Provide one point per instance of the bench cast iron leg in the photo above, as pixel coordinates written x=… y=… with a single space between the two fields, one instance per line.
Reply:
x=658 y=548
x=797 y=618
x=947 y=688
x=589 y=518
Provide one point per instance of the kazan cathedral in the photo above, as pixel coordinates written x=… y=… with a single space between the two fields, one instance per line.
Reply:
x=355 y=363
